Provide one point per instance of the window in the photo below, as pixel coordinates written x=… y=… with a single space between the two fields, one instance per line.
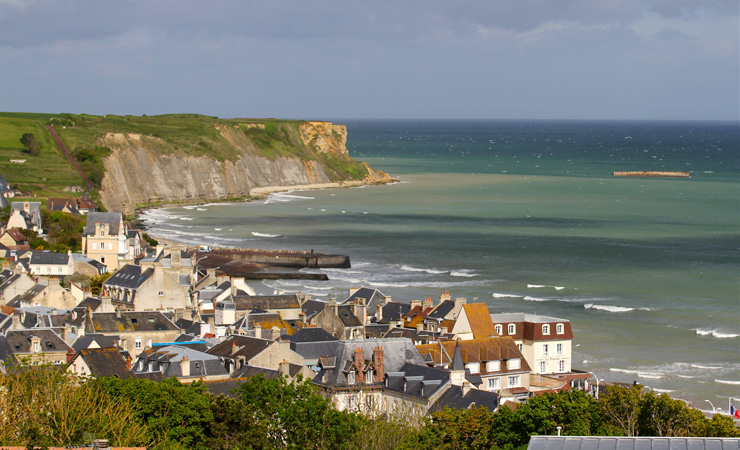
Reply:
x=562 y=366
x=520 y=347
x=161 y=293
x=137 y=343
x=102 y=246
x=560 y=328
x=493 y=366
x=369 y=403
x=149 y=343
x=35 y=347
x=351 y=403
x=369 y=376
x=493 y=383
x=545 y=329
x=515 y=363
x=545 y=349
x=543 y=367
x=499 y=329
x=559 y=349
x=474 y=368
x=514 y=381
x=351 y=377
x=512 y=328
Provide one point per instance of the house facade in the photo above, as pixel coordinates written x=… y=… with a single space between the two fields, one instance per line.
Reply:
x=104 y=239
x=545 y=342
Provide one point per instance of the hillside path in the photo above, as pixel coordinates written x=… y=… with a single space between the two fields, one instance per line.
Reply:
x=61 y=146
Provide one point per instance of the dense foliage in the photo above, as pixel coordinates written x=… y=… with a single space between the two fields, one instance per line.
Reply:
x=31 y=145
x=45 y=406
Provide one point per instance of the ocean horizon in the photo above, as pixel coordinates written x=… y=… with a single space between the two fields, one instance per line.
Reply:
x=527 y=217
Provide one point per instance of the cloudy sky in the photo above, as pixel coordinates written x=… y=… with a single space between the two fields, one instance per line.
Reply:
x=317 y=59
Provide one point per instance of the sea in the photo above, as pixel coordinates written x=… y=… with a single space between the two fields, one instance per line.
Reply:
x=526 y=216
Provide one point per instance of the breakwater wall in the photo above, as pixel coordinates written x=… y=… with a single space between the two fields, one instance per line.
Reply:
x=287 y=258
x=650 y=173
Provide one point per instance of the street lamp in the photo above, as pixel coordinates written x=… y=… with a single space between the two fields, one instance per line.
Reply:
x=597 y=385
x=714 y=410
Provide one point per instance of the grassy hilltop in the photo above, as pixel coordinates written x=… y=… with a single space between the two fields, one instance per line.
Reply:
x=50 y=174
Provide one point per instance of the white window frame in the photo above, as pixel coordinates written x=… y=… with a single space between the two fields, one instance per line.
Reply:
x=493 y=383
x=545 y=350
x=499 y=329
x=543 y=366
x=493 y=366
x=560 y=328
x=351 y=377
x=514 y=380
x=559 y=349
x=562 y=366
x=545 y=329
x=137 y=343
x=369 y=376
x=511 y=328
x=514 y=364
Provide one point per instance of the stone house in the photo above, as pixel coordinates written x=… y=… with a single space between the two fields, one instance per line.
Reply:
x=137 y=329
x=545 y=342
x=49 y=263
x=100 y=362
x=342 y=321
x=149 y=286
x=35 y=346
x=186 y=364
x=12 y=238
x=238 y=351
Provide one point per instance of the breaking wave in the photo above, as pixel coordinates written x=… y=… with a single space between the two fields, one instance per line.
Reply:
x=716 y=333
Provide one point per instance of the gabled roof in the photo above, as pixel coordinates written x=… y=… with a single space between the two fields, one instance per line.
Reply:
x=130 y=321
x=28 y=296
x=394 y=311
x=16 y=235
x=347 y=316
x=417 y=380
x=442 y=310
x=104 y=362
x=113 y=219
x=312 y=307
x=50 y=258
x=529 y=326
x=169 y=361
x=480 y=320
x=416 y=316
x=372 y=298
x=101 y=340
x=129 y=276
x=630 y=443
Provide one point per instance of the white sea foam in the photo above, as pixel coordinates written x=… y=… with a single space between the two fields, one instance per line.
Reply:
x=265 y=235
x=186 y=218
x=498 y=295
x=536 y=299
x=201 y=209
x=663 y=391
x=716 y=333
x=640 y=373
x=217 y=229
x=734 y=382
x=700 y=366
x=418 y=269
x=535 y=286
x=463 y=273
x=540 y=286
x=608 y=308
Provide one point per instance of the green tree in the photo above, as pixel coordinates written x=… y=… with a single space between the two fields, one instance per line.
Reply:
x=175 y=414
x=96 y=283
x=454 y=429
x=31 y=145
x=295 y=416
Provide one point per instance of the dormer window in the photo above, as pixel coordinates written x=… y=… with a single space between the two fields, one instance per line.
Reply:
x=499 y=329
x=351 y=377
x=512 y=328
x=514 y=364
x=35 y=347
x=545 y=329
x=560 y=328
x=369 y=376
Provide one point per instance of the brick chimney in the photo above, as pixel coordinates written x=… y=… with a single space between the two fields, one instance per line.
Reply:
x=445 y=297
x=427 y=303
x=415 y=303
x=359 y=309
x=378 y=363
x=359 y=360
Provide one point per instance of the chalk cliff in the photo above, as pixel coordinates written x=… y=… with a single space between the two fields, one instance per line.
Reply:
x=143 y=170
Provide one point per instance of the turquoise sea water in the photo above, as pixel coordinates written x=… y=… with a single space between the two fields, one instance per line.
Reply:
x=526 y=216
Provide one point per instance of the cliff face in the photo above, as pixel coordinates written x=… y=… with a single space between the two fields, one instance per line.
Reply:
x=142 y=169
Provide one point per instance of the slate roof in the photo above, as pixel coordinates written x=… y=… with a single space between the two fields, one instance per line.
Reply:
x=19 y=341
x=529 y=326
x=84 y=342
x=631 y=443
x=129 y=276
x=525 y=317
x=28 y=296
x=251 y=371
x=113 y=219
x=454 y=398
x=50 y=258
x=376 y=330
x=423 y=336
x=442 y=310
x=417 y=380
x=312 y=307
x=396 y=353
x=347 y=316
x=250 y=302
x=372 y=298
x=130 y=321
x=312 y=334
x=237 y=345
x=169 y=359
x=104 y=362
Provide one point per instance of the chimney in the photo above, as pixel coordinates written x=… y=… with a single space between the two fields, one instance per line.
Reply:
x=118 y=313
x=70 y=355
x=233 y=286
x=419 y=327
x=175 y=258
x=185 y=366
x=378 y=363
x=415 y=303
x=302 y=316
x=443 y=330
x=234 y=348
x=445 y=297
x=359 y=360
x=360 y=310
x=16 y=323
x=459 y=301
x=258 y=331
x=128 y=362
x=283 y=368
x=427 y=303
x=274 y=333
x=352 y=290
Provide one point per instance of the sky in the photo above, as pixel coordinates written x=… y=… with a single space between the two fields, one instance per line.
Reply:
x=426 y=59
